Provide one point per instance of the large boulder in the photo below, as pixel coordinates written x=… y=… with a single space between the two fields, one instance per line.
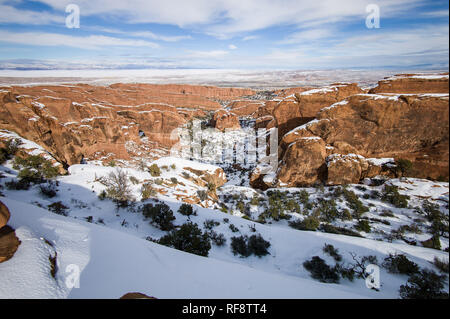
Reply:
x=8 y=239
x=4 y=214
x=303 y=162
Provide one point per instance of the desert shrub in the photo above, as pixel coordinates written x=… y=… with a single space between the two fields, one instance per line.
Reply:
x=34 y=169
x=387 y=213
x=188 y=238
x=424 y=285
x=403 y=167
x=439 y=221
x=258 y=245
x=154 y=170
x=239 y=246
x=328 y=228
x=174 y=180
x=112 y=163
x=217 y=239
x=118 y=187
x=49 y=189
x=303 y=197
x=363 y=225
x=159 y=181
x=186 y=210
x=10 y=148
x=392 y=196
x=102 y=195
x=233 y=228
x=327 y=210
x=173 y=166
x=134 y=180
x=148 y=191
x=210 y=224
x=345 y=215
x=374 y=194
x=321 y=271
x=354 y=203
x=332 y=251
x=58 y=208
x=413 y=228
x=3 y=155
x=160 y=214
x=255 y=200
x=246 y=246
x=400 y=264
x=21 y=184
x=202 y=195
x=442 y=265
x=309 y=223
x=292 y=206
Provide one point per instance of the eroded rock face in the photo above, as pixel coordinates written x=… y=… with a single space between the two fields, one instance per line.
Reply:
x=4 y=214
x=301 y=107
x=8 y=239
x=120 y=121
x=303 y=162
x=224 y=120
x=413 y=83
x=413 y=127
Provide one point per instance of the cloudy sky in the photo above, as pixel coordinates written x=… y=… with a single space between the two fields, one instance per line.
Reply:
x=231 y=34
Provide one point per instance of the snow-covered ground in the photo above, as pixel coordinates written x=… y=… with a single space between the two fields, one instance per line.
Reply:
x=108 y=243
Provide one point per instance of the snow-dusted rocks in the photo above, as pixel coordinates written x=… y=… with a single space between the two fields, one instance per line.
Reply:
x=413 y=83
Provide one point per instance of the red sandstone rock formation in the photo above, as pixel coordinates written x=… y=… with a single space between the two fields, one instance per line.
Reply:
x=120 y=121
x=413 y=83
x=8 y=239
x=223 y=120
x=414 y=127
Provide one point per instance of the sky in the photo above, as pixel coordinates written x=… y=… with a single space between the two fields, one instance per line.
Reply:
x=224 y=34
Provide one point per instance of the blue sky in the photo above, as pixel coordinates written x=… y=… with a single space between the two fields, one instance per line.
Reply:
x=231 y=34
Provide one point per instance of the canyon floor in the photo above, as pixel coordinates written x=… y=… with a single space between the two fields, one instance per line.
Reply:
x=96 y=202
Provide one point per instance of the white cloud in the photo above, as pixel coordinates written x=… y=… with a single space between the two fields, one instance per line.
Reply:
x=10 y=14
x=307 y=35
x=83 y=42
x=250 y=37
x=232 y=47
x=143 y=34
x=207 y=54
x=231 y=17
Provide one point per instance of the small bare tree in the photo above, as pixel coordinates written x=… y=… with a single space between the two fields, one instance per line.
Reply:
x=118 y=187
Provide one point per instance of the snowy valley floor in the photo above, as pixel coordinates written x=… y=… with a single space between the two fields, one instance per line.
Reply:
x=109 y=246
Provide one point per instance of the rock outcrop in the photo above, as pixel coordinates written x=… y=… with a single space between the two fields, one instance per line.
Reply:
x=300 y=108
x=413 y=83
x=412 y=127
x=9 y=242
x=224 y=120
